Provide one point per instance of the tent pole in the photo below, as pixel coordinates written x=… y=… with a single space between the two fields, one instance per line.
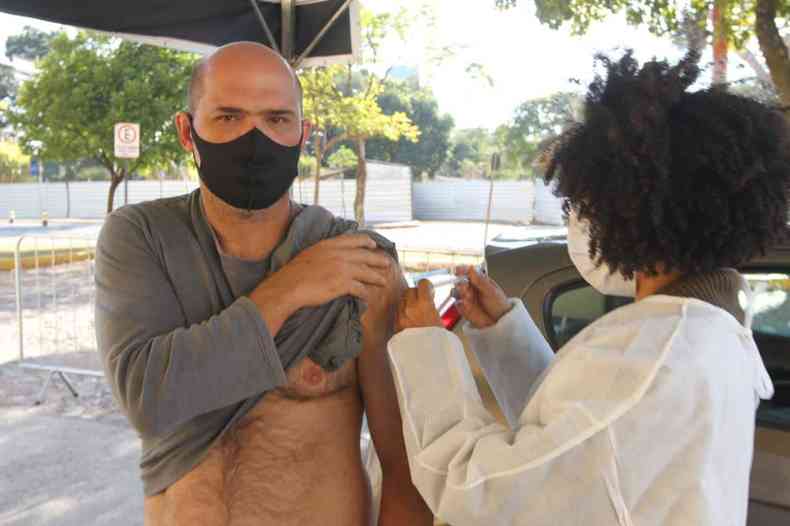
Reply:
x=265 y=26
x=288 y=18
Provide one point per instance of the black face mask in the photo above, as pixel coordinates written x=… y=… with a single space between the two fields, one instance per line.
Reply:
x=251 y=172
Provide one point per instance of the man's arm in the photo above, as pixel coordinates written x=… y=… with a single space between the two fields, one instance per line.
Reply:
x=163 y=370
x=401 y=503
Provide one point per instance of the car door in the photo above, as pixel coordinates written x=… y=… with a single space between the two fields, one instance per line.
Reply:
x=562 y=304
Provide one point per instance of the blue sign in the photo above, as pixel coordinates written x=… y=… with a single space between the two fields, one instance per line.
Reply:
x=34 y=165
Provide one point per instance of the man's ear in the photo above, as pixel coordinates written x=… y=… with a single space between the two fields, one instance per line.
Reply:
x=183 y=128
x=307 y=130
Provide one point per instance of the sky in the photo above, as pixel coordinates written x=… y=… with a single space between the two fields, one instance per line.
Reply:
x=523 y=58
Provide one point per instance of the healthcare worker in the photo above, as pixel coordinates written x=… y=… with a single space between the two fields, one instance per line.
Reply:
x=647 y=416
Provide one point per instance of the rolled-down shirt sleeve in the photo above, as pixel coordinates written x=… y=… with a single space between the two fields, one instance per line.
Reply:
x=163 y=370
x=513 y=355
x=469 y=468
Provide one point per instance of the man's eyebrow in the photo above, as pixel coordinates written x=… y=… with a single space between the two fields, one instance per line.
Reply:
x=237 y=111
x=280 y=112
x=229 y=109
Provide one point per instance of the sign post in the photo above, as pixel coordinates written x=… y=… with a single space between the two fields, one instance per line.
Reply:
x=127 y=146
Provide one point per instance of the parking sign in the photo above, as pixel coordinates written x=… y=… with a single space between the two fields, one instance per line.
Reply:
x=127 y=140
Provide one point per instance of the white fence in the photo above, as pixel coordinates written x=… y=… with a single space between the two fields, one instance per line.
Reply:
x=513 y=202
x=548 y=207
x=388 y=196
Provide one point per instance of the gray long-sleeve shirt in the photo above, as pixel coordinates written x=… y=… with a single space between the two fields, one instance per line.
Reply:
x=187 y=356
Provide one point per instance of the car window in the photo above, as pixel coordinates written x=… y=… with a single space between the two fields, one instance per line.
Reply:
x=574 y=307
x=771 y=329
x=571 y=308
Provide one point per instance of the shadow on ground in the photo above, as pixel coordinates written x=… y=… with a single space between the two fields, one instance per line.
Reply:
x=68 y=462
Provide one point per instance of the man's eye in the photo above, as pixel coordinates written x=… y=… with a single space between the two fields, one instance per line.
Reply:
x=277 y=120
x=228 y=118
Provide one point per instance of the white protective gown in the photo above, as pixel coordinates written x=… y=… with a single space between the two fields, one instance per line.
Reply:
x=645 y=418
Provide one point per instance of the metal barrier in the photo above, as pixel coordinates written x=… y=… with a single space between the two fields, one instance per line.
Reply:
x=54 y=290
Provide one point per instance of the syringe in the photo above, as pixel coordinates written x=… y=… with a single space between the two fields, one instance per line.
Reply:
x=449 y=280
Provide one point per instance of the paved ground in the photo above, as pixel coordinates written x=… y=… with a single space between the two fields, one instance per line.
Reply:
x=68 y=462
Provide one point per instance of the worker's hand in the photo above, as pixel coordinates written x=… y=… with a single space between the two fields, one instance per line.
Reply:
x=417 y=308
x=481 y=301
x=347 y=265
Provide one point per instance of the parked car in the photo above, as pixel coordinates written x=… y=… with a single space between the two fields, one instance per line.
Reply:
x=562 y=304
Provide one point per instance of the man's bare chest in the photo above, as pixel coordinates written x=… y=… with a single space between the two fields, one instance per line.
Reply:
x=282 y=460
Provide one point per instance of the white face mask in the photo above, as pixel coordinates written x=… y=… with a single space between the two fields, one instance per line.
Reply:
x=597 y=275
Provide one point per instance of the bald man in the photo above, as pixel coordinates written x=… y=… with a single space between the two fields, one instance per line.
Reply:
x=243 y=334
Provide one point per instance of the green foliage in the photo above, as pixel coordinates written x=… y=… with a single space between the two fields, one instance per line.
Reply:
x=517 y=142
x=470 y=155
x=91 y=172
x=344 y=158
x=420 y=106
x=88 y=83
x=661 y=17
x=8 y=88
x=32 y=44
x=536 y=120
x=14 y=164
x=8 y=83
x=306 y=164
x=338 y=102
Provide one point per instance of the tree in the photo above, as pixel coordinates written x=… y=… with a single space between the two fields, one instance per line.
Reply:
x=343 y=159
x=88 y=83
x=322 y=104
x=8 y=83
x=364 y=119
x=773 y=46
x=537 y=119
x=14 y=165
x=738 y=21
x=420 y=106
x=341 y=110
x=8 y=88
x=32 y=44
x=470 y=152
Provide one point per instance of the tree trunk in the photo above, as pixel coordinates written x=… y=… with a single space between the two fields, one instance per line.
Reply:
x=362 y=179
x=116 y=178
x=720 y=42
x=773 y=48
x=318 y=155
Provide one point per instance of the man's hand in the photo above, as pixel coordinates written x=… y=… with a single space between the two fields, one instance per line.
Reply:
x=481 y=301
x=344 y=265
x=417 y=308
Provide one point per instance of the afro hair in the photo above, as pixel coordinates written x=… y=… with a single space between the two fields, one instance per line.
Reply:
x=672 y=180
